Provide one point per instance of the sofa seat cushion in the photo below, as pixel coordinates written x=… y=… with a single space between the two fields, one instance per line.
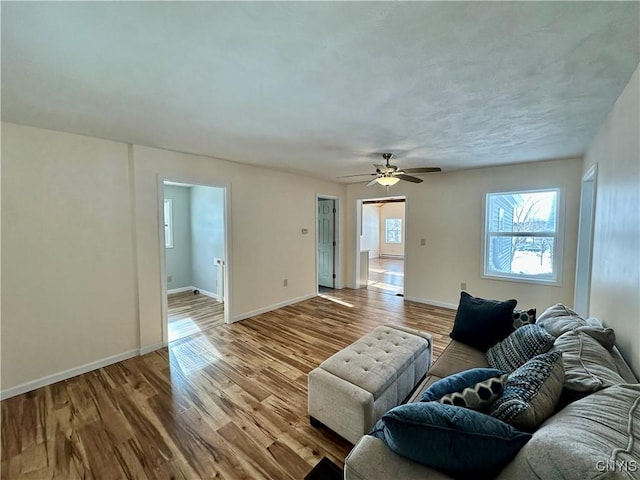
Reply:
x=375 y=361
x=596 y=437
x=458 y=357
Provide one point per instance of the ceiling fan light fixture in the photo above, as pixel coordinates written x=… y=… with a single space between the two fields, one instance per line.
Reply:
x=387 y=181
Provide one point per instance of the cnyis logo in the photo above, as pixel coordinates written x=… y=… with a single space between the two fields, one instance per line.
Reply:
x=629 y=466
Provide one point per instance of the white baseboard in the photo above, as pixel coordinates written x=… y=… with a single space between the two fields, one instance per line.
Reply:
x=435 y=303
x=72 y=372
x=275 y=306
x=206 y=293
x=151 y=348
x=179 y=290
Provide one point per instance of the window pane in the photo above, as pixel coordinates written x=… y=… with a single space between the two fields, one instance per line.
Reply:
x=529 y=256
x=393 y=230
x=522 y=212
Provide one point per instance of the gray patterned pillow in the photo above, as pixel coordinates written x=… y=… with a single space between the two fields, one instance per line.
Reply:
x=479 y=396
x=531 y=393
x=523 y=317
x=519 y=347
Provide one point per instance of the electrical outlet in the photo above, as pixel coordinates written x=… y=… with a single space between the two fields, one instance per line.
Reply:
x=286 y=282
x=423 y=241
x=170 y=278
x=463 y=286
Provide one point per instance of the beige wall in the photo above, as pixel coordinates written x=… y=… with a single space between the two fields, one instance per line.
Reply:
x=81 y=247
x=391 y=210
x=615 y=282
x=370 y=239
x=447 y=210
x=69 y=293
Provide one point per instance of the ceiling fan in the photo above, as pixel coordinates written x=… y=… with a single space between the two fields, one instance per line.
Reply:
x=388 y=174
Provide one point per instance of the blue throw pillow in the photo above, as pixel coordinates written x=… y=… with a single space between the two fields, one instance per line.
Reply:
x=482 y=323
x=454 y=440
x=458 y=382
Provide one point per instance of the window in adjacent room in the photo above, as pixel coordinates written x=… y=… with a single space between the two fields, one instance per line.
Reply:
x=168 y=223
x=522 y=236
x=393 y=230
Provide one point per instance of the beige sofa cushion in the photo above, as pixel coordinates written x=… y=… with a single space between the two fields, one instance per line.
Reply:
x=588 y=365
x=594 y=438
x=458 y=357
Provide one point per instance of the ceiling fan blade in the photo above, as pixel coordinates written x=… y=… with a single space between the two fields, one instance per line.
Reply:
x=422 y=170
x=357 y=175
x=409 y=178
x=372 y=182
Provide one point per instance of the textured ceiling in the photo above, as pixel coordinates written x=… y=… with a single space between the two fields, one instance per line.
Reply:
x=322 y=88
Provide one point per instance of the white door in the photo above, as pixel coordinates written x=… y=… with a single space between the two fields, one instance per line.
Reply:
x=326 y=242
x=585 y=243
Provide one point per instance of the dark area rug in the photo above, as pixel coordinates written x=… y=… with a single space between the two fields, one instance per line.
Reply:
x=325 y=469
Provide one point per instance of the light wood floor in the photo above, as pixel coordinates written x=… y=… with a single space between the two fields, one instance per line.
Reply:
x=386 y=275
x=189 y=314
x=229 y=402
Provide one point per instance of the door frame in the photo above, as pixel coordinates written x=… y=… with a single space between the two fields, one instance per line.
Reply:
x=227 y=292
x=337 y=284
x=587 y=215
x=358 y=234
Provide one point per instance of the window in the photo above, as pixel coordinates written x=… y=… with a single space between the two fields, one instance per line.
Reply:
x=522 y=240
x=168 y=223
x=393 y=230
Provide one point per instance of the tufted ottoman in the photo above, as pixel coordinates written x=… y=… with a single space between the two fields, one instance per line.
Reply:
x=352 y=389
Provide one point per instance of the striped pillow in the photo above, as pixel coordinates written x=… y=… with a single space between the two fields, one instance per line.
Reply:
x=519 y=347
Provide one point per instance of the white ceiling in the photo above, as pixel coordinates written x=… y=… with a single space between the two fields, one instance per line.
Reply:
x=322 y=88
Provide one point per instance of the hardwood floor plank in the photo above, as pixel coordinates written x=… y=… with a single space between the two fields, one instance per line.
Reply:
x=227 y=402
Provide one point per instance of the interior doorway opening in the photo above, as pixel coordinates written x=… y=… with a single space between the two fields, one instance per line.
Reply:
x=194 y=260
x=382 y=245
x=585 y=242
x=327 y=251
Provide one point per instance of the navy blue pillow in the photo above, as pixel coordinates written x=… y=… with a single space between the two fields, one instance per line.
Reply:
x=458 y=382
x=482 y=323
x=454 y=440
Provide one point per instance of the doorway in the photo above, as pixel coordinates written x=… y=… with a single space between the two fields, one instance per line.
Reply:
x=382 y=245
x=327 y=244
x=194 y=257
x=585 y=242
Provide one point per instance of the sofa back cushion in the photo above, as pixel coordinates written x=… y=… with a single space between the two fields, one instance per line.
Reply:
x=588 y=365
x=593 y=438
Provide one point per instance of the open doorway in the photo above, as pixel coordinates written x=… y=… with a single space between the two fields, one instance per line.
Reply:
x=194 y=258
x=327 y=243
x=382 y=244
x=585 y=242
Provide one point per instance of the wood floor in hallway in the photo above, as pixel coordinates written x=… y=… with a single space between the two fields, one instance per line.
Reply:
x=189 y=314
x=229 y=402
x=386 y=275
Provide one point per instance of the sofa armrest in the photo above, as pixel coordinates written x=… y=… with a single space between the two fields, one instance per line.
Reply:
x=371 y=459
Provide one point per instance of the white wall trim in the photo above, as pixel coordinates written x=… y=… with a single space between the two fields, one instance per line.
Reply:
x=151 y=348
x=435 y=303
x=275 y=306
x=179 y=290
x=72 y=372
x=207 y=293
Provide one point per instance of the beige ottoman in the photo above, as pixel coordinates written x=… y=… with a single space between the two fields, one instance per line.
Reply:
x=352 y=389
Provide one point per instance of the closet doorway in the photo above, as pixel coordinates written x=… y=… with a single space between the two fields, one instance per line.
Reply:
x=382 y=244
x=194 y=258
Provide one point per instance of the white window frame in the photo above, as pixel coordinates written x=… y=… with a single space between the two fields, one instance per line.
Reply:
x=168 y=223
x=556 y=278
x=386 y=231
